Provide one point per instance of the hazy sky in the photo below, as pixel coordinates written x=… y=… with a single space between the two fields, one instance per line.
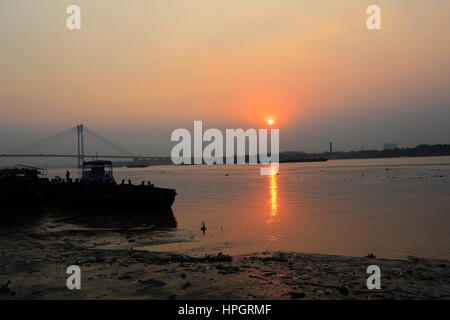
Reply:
x=140 y=68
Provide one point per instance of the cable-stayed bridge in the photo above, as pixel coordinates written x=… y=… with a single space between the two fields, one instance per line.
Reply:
x=79 y=130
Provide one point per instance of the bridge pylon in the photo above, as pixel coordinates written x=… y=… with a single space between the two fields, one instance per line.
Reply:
x=80 y=128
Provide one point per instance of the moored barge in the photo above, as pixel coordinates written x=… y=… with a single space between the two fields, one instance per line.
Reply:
x=27 y=190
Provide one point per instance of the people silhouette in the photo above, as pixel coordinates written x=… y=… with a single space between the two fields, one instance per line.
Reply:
x=203 y=228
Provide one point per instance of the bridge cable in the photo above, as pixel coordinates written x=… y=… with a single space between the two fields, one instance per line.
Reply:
x=108 y=142
x=42 y=141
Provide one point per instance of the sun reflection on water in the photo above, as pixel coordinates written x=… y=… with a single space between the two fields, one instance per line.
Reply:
x=273 y=202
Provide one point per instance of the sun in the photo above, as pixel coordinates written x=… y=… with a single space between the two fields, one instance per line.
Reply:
x=270 y=122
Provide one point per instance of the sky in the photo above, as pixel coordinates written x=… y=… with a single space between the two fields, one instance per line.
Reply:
x=139 y=69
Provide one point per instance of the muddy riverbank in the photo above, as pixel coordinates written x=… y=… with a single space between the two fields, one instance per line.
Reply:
x=33 y=266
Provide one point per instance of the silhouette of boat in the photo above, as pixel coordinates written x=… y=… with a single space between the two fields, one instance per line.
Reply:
x=25 y=189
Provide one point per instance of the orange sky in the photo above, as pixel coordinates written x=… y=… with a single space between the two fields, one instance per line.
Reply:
x=229 y=63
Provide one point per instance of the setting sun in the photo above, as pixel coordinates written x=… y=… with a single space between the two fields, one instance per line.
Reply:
x=270 y=122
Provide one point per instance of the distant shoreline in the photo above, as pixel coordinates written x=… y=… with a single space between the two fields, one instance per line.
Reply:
x=439 y=150
x=421 y=151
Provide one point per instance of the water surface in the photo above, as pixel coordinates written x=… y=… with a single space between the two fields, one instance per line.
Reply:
x=390 y=207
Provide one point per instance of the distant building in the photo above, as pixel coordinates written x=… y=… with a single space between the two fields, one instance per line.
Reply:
x=390 y=146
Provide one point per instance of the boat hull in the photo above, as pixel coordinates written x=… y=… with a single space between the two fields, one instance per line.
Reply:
x=34 y=197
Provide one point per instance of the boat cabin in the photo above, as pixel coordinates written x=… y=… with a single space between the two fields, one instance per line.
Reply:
x=98 y=171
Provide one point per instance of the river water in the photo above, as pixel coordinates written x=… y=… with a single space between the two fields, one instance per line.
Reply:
x=390 y=207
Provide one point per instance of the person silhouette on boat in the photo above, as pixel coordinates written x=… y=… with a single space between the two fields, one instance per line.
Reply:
x=67 y=176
